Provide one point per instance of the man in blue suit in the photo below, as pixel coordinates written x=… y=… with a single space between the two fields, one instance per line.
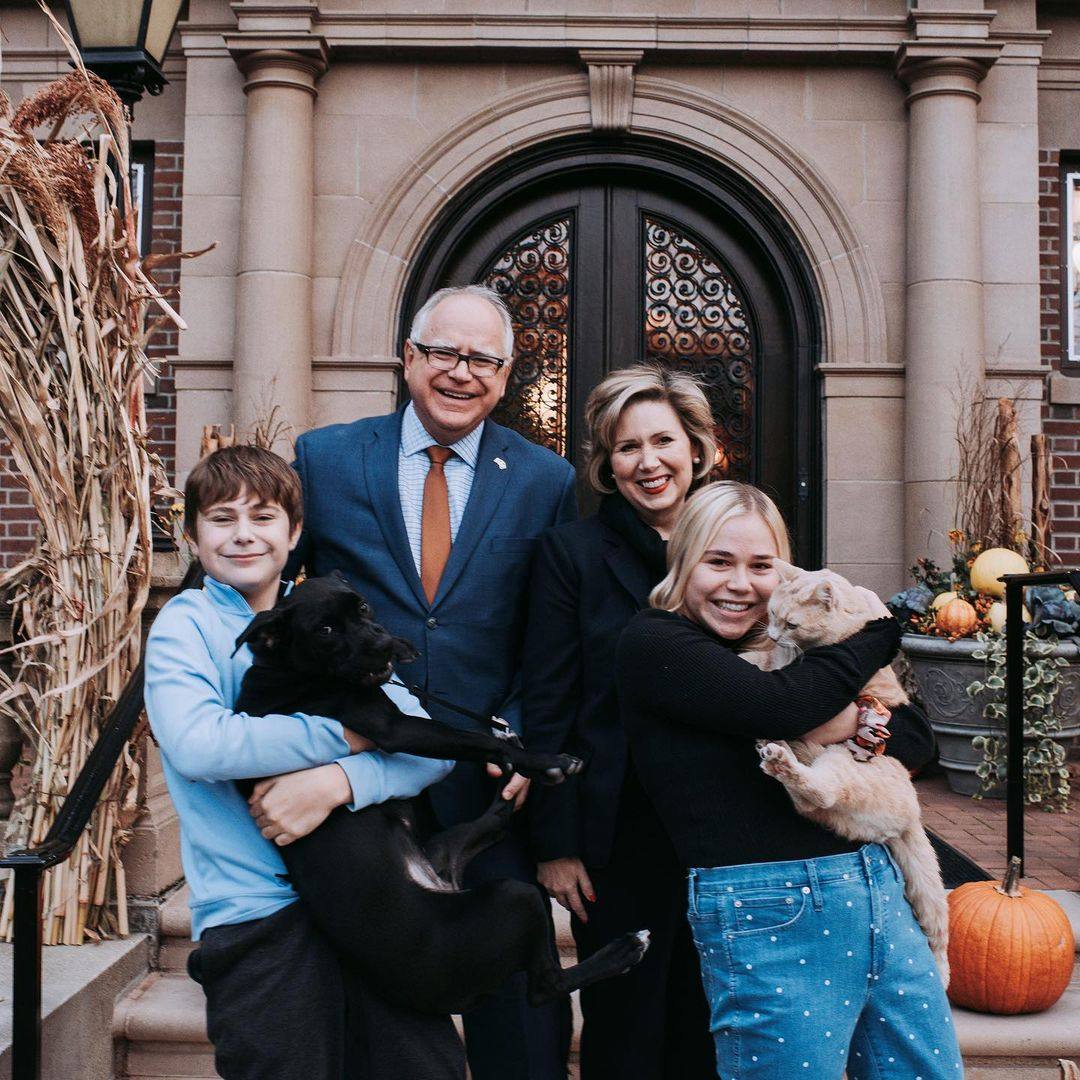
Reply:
x=433 y=512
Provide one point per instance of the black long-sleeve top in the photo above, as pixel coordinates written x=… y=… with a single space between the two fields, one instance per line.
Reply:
x=693 y=708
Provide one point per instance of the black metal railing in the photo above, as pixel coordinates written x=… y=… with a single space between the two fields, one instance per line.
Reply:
x=1014 y=697
x=28 y=866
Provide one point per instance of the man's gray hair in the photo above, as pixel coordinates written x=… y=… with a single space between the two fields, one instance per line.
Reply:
x=482 y=292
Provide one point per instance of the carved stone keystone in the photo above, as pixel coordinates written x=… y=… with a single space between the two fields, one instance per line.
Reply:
x=611 y=86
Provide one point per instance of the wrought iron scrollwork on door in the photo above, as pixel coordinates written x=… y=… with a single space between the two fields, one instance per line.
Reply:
x=532 y=275
x=695 y=320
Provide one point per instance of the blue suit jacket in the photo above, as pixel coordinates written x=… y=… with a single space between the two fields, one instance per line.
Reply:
x=470 y=637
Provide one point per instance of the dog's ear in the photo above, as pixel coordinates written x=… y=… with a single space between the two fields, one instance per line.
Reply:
x=339 y=576
x=403 y=652
x=269 y=630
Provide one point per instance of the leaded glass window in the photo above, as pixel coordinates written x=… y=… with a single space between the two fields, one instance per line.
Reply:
x=696 y=320
x=532 y=275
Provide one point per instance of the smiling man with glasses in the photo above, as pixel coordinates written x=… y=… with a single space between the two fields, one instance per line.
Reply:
x=433 y=512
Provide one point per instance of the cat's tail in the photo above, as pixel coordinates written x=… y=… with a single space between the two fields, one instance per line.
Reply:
x=925 y=892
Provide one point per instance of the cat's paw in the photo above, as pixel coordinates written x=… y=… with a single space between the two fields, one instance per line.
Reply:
x=777 y=760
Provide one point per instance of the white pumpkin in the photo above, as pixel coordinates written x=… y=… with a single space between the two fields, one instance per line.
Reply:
x=942 y=599
x=990 y=565
x=996 y=616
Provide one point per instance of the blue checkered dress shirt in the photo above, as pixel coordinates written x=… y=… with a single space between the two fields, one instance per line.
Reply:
x=413 y=465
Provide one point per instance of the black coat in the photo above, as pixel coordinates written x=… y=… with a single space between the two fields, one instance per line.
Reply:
x=587 y=583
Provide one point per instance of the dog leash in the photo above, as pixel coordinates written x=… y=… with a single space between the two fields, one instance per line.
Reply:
x=425 y=697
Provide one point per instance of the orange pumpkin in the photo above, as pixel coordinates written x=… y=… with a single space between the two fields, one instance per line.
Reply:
x=957 y=618
x=1011 y=949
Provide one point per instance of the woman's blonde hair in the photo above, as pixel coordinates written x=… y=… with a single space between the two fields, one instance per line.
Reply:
x=705 y=512
x=645 y=382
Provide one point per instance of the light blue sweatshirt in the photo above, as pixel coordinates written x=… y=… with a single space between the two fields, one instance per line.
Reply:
x=192 y=679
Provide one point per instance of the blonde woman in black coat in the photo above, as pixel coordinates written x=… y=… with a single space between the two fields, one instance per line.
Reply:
x=600 y=848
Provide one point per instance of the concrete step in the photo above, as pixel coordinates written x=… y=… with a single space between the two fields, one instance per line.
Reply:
x=1026 y=1047
x=160 y=1030
x=175 y=944
x=1070 y=902
x=80 y=986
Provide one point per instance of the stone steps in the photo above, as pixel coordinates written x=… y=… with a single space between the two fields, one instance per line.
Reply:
x=160 y=1030
x=160 y=1027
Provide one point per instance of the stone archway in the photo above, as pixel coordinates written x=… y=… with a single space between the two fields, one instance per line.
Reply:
x=373 y=280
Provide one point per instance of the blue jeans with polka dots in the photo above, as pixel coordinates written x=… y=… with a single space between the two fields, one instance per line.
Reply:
x=817 y=966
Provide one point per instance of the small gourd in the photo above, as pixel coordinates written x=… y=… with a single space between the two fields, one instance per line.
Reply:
x=957 y=618
x=1011 y=949
x=990 y=565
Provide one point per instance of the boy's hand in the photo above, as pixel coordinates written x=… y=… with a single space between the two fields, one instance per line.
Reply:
x=289 y=806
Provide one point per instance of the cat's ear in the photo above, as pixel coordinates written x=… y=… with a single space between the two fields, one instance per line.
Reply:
x=784 y=570
x=825 y=594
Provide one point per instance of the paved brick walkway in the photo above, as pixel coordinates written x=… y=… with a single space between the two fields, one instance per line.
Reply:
x=977 y=828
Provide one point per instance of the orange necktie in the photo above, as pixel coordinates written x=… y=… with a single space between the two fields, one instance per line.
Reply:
x=435 y=522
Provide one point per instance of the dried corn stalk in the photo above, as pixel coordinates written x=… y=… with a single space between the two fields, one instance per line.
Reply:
x=74 y=301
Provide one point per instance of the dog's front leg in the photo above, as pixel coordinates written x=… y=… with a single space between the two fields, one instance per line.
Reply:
x=451 y=850
x=399 y=733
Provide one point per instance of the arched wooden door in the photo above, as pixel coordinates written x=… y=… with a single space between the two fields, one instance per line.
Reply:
x=606 y=258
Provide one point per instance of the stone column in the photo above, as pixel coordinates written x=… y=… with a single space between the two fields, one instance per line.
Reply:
x=272 y=365
x=944 y=304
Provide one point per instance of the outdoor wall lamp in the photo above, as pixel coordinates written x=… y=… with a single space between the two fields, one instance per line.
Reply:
x=124 y=41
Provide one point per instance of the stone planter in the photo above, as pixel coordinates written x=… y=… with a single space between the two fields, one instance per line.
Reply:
x=943 y=670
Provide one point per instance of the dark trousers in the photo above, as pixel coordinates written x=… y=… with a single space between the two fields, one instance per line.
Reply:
x=653 y=1022
x=280 y=1005
x=507 y=1038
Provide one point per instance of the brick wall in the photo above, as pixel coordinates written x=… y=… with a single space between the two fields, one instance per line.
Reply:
x=1061 y=423
x=165 y=238
x=17 y=518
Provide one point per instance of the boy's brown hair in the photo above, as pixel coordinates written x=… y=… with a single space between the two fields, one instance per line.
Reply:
x=224 y=474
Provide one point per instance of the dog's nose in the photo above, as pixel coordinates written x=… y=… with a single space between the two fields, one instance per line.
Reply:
x=382 y=643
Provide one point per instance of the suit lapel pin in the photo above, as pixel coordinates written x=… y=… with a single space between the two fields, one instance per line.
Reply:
x=499 y=461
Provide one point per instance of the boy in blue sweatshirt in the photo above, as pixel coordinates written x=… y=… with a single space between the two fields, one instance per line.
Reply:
x=280 y=1002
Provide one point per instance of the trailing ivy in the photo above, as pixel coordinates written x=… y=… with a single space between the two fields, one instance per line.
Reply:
x=1046 y=777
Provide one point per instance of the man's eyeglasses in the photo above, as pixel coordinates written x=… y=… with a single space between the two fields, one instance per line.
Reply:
x=444 y=359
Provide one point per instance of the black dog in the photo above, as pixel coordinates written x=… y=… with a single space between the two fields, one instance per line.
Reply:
x=389 y=898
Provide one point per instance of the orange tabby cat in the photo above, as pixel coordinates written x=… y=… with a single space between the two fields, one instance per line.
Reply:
x=869 y=801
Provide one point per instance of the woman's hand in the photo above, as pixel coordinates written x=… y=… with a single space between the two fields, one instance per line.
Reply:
x=567 y=881
x=839 y=729
x=289 y=806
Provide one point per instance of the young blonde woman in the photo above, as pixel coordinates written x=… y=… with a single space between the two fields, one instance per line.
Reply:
x=602 y=851
x=812 y=960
